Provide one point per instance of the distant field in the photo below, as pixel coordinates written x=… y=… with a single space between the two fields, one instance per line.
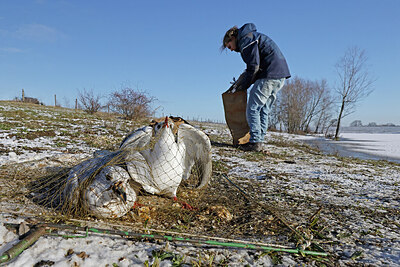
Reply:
x=369 y=129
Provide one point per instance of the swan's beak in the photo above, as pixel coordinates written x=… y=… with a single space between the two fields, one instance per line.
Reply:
x=165 y=122
x=120 y=192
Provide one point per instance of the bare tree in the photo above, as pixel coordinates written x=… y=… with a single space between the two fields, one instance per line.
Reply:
x=355 y=82
x=131 y=103
x=324 y=115
x=317 y=104
x=292 y=102
x=303 y=102
x=356 y=123
x=90 y=102
x=331 y=123
x=273 y=116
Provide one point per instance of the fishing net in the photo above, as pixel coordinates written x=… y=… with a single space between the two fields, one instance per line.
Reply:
x=152 y=161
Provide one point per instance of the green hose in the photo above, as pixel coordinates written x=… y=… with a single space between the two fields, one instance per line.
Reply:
x=22 y=245
x=71 y=236
x=34 y=236
x=188 y=240
x=237 y=245
x=3 y=258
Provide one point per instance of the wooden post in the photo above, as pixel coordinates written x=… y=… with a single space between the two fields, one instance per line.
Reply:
x=55 y=100
x=76 y=103
x=23 y=95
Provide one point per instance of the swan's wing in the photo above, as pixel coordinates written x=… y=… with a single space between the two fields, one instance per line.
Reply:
x=101 y=153
x=137 y=139
x=140 y=171
x=197 y=148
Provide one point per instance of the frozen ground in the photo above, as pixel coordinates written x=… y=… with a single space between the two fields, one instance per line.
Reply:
x=349 y=207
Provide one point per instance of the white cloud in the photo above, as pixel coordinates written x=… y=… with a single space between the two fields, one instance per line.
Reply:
x=38 y=32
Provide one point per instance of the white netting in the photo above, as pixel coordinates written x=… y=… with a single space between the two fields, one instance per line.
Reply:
x=153 y=159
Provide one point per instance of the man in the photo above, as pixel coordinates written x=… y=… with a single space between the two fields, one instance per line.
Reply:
x=266 y=68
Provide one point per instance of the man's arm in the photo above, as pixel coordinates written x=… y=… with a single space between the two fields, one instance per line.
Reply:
x=251 y=56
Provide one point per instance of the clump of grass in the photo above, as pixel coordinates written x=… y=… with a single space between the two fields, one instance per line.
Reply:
x=281 y=141
x=30 y=135
x=5 y=126
x=255 y=156
x=217 y=138
x=102 y=142
x=219 y=166
x=161 y=255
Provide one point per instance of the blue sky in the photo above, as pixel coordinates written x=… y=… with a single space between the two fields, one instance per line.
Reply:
x=170 y=49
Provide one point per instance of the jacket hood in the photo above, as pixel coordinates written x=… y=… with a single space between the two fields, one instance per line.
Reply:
x=246 y=29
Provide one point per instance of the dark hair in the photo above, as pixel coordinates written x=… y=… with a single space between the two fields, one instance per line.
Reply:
x=232 y=32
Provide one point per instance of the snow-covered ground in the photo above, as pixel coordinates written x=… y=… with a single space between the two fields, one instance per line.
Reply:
x=354 y=204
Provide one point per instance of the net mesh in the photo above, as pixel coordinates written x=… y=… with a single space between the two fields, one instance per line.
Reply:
x=150 y=161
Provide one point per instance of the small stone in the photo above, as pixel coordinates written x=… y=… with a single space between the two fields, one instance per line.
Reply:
x=44 y=263
x=23 y=228
x=69 y=252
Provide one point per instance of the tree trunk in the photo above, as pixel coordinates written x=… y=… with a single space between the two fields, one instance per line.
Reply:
x=339 y=119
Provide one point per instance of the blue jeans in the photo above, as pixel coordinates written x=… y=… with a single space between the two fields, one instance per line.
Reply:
x=261 y=98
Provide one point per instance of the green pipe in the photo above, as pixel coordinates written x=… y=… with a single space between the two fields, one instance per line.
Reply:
x=22 y=245
x=3 y=258
x=237 y=245
x=71 y=236
x=189 y=240
x=50 y=227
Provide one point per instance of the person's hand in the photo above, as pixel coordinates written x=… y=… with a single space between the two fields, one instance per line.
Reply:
x=232 y=89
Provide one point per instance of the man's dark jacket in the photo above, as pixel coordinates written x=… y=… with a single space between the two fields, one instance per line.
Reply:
x=262 y=56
